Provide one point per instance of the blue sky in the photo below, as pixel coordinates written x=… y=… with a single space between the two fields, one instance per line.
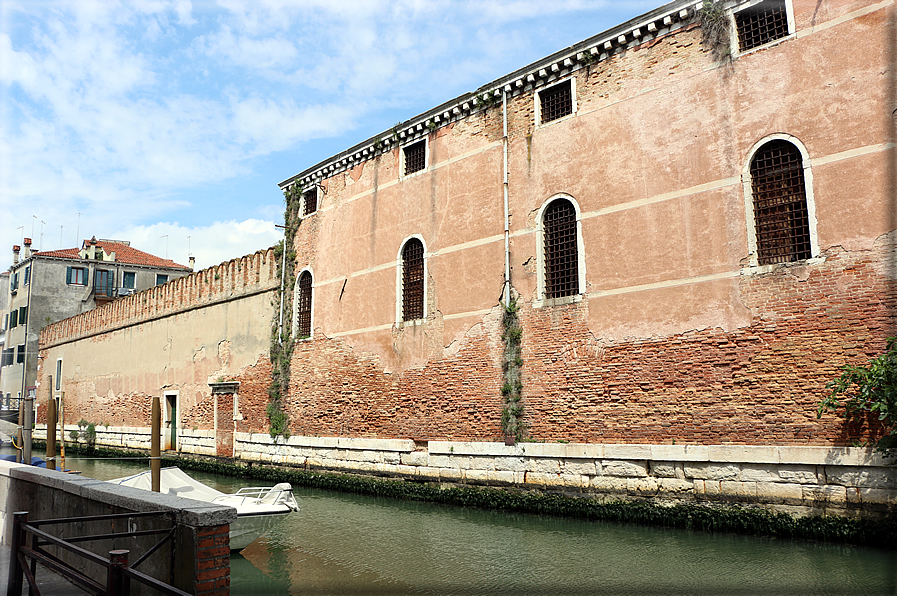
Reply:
x=169 y=123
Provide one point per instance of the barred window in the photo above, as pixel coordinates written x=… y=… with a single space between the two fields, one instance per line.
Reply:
x=415 y=156
x=781 y=217
x=413 y=280
x=560 y=249
x=303 y=305
x=310 y=201
x=556 y=102
x=761 y=23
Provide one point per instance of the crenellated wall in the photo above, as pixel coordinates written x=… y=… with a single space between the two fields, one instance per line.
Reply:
x=221 y=283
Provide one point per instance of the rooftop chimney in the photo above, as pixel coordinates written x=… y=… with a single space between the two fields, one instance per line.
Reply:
x=27 y=243
x=192 y=262
x=15 y=253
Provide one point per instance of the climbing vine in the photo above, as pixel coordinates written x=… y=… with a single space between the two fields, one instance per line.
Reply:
x=715 y=29
x=865 y=390
x=512 y=362
x=282 y=336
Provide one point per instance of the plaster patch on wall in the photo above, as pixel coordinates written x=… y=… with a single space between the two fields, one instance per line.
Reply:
x=224 y=352
x=199 y=355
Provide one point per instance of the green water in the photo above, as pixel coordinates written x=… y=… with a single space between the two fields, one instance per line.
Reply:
x=349 y=544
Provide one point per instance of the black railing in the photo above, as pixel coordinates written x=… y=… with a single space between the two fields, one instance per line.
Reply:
x=24 y=557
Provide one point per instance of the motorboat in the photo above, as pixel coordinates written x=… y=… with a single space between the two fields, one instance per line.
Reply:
x=259 y=508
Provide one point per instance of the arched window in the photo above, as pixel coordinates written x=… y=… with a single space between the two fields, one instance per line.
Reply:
x=303 y=305
x=560 y=249
x=413 y=280
x=781 y=217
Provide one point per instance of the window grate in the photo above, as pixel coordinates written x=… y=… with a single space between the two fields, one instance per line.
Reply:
x=303 y=306
x=413 y=280
x=560 y=250
x=761 y=24
x=780 y=204
x=310 y=201
x=556 y=102
x=415 y=157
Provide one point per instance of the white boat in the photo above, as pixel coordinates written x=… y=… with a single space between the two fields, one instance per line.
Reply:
x=258 y=507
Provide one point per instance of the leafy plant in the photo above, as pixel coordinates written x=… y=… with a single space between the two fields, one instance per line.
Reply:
x=715 y=29
x=868 y=390
x=512 y=388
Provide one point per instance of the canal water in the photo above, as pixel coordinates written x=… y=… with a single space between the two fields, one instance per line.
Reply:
x=349 y=544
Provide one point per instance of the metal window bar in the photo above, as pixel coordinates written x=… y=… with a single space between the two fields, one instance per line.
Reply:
x=310 y=201
x=761 y=24
x=556 y=102
x=413 y=280
x=560 y=250
x=303 y=306
x=780 y=204
x=415 y=157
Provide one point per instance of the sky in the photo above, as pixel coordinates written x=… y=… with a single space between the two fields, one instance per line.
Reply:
x=169 y=123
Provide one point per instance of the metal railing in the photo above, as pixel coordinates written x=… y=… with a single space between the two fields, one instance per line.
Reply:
x=24 y=558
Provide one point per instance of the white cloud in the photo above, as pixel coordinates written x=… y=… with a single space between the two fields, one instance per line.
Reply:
x=132 y=111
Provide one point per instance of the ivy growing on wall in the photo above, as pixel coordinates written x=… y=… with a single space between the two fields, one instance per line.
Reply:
x=512 y=362
x=282 y=336
x=715 y=29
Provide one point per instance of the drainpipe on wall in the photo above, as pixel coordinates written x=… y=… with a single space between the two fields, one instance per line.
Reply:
x=506 y=293
x=283 y=272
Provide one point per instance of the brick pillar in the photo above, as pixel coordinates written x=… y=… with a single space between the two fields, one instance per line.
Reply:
x=212 y=572
x=224 y=395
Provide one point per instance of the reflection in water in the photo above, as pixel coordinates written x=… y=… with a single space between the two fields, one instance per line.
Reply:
x=349 y=544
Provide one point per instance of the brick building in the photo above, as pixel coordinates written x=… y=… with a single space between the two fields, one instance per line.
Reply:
x=47 y=286
x=647 y=253
x=698 y=236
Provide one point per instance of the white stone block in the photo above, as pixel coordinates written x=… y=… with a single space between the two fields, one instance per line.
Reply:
x=828 y=493
x=583 y=450
x=791 y=494
x=610 y=484
x=743 y=454
x=624 y=468
x=544 y=465
x=627 y=452
x=642 y=486
x=799 y=474
x=415 y=458
x=711 y=471
x=676 y=486
x=663 y=469
x=878 y=495
x=579 y=467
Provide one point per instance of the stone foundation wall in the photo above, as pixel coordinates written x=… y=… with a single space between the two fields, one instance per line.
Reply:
x=794 y=478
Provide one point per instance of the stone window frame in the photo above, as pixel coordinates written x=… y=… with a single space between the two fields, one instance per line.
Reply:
x=541 y=300
x=311 y=326
x=58 y=380
x=425 y=139
x=537 y=101
x=400 y=286
x=303 y=206
x=753 y=267
x=733 y=28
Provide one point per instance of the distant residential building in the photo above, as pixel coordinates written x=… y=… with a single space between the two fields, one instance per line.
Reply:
x=48 y=286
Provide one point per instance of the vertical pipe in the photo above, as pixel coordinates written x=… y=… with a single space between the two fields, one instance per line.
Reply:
x=51 y=429
x=506 y=292
x=155 y=450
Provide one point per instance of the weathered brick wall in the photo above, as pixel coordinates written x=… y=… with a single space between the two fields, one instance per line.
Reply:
x=758 y=385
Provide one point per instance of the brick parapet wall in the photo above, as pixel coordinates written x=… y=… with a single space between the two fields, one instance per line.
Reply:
x=227 y=281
